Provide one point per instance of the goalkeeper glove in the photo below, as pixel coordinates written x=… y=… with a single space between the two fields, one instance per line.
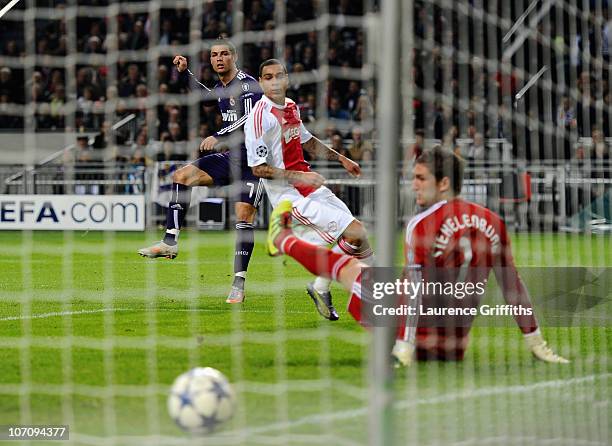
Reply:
x=403 y=353
x=540 y=350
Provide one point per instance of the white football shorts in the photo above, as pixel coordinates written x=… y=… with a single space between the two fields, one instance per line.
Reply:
x=324 y=217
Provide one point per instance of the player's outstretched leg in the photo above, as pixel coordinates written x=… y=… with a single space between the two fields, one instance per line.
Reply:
x=354 y=242
x=317 y=260
x=323 y=302
x=175 y=218
x=279 y=227
x=320 y=261
x=183 y=179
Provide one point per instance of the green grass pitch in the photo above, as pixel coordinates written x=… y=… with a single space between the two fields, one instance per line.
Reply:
x=109 y=332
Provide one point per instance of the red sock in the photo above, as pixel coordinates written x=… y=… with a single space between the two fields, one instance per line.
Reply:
x=319 y=261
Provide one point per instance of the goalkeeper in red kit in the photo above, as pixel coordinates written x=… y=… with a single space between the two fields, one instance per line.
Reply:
x=449 y=234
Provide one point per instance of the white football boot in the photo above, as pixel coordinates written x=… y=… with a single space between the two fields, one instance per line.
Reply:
x=159 y=249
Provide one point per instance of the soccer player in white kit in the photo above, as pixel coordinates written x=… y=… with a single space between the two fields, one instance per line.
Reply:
x=275 y=138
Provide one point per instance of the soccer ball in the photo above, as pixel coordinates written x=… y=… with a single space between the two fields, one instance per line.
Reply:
x=201 y=400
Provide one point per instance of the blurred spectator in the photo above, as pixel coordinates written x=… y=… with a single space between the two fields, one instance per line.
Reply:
x=85 y=105
x=209 y=13
x=415 y=150
x=335 y=111
x=258 y=15
x=567 y=122
x=135 y=174
x=364 y=112
x=84 y=162
x=599 y=164
x=441 y=121
x=174 y=130
x=56 y=81
x=566 y=114
x=127 y=86
x=94 y=45
x=82 y=151
x=606 y=106
x=308 y=109
x=600 y=150
x=352 y=97
x=138 y=157
x=288 y=57
x=337 y=144
x=141 y=142
x=141 y=97
x=450 y=138
x=102 y=139
x=166 y=35
x=330 y=132
x=412 y=152
x=138 y=39
x=478 y=151
x=95 y=30
x=56 y=106
x=8 y=86
x=11 y=49
x=163 y=75
x=358 y=149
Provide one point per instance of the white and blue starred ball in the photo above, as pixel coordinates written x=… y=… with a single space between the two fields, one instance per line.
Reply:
x=201 y=400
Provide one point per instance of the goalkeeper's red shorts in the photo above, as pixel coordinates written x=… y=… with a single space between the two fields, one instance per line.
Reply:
x=441 y=343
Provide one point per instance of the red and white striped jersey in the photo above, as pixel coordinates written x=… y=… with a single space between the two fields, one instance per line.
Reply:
x=274 y=135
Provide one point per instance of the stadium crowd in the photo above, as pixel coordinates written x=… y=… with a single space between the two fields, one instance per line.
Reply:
x=348 y=102
x=579 y=71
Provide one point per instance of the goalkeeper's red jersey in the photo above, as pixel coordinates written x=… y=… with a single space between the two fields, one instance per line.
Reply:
x=458 y=234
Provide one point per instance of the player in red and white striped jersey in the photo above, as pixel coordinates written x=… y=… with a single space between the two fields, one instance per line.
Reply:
x=275 y=138
x=450 y=233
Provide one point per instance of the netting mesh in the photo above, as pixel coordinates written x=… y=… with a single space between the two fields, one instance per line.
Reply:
x=92 y=337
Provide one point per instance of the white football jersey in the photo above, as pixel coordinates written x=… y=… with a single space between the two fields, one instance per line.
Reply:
x=271 y=137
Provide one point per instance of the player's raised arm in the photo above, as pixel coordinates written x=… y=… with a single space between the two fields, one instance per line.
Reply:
x=316 y=148
x=180 y=62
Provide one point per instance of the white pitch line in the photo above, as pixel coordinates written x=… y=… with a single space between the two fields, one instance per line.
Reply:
x=527 y=439
x=231 y=437
x=60 y=313
x=8 y=7
x=139 y=310
x=441 y=399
